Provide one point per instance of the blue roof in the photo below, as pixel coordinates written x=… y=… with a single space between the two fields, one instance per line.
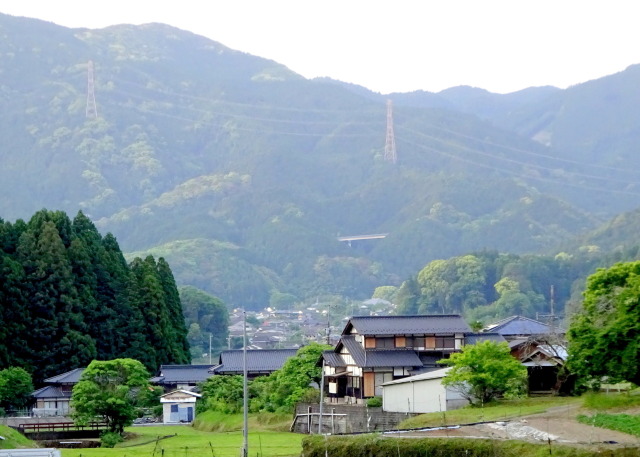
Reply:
x=480 y=337
x=69 y=377
x=519 y=325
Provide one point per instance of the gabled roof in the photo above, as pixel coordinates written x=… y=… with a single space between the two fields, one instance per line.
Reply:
x=480 y=337
x=519 y=325
x=260 y=360
x=182 y=392
x=371 y=358
x=175 y=374
x=70 y=377
x=407 y=325
x=50 y=392
x=332 y=359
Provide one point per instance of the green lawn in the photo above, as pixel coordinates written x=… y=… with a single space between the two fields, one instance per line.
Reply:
x=191 y=442
x=13 y=439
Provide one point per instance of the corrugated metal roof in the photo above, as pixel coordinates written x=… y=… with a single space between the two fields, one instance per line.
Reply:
x=480 y=337
x=172 y=374
x=70 y=377
x=262 y=360
x=408 y=325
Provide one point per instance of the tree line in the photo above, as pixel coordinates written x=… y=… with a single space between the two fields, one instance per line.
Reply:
x=68 y=296
x=487 y=286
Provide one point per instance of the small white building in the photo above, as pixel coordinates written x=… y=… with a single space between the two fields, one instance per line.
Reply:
x=423 y=393
x=179 y=406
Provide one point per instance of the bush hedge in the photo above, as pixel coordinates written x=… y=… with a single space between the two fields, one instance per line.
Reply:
x=381 y=446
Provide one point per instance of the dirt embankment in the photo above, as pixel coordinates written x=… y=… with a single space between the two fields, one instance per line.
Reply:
x=557 y=425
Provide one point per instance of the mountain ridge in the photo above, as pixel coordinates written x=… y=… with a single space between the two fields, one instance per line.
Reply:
x=197 y=141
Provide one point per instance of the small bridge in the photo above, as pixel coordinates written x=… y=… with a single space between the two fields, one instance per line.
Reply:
x=374 y=236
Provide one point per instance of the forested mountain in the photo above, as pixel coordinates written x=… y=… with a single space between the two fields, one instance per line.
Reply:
x=67 y=297
x=242 y=174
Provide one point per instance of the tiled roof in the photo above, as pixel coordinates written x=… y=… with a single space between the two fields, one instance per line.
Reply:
x=257 y=360
x=70 y=377
x=333 y=360
x=408 y=325
x=519 y=325
x=392 y=358
x=480 y=337
x=50 y=392
x=379 y=357
x=173 y=374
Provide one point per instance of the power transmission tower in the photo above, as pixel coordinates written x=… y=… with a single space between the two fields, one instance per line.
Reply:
x=92 y=110
x=390 y=143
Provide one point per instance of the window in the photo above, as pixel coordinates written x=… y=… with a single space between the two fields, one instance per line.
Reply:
x=401 y=342
x=445 y=342
x=369 y=343
x=385 y=343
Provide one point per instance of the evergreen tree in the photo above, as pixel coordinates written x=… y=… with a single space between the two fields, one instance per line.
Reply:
x=179 y=346
x=53 y=317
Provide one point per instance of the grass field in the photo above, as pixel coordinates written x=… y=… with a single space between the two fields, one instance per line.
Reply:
x=191 y=442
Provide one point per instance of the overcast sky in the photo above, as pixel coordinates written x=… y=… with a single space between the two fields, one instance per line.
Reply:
x=394 y=46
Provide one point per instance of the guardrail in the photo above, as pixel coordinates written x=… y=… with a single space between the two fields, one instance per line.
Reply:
x=59 y=427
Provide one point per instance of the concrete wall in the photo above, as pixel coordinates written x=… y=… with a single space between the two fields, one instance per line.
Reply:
x=338 y=419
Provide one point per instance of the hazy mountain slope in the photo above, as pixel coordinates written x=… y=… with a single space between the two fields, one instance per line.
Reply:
x=264 y=169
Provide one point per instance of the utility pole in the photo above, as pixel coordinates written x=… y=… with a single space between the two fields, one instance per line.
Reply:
x=92 y=110
x=390 y=143
x=210 y=335
x=245 y=429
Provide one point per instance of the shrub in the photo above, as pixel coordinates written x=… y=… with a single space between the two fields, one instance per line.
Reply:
x=110 y=439
x=374 y=402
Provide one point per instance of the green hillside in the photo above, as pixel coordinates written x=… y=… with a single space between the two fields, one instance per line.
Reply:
x=243 y=173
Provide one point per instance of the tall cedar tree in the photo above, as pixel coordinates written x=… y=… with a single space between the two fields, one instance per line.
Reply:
x=67 y=296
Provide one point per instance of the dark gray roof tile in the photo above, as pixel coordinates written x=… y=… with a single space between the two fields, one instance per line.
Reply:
x=173 y=374
x=408 y=325
x=261 y=360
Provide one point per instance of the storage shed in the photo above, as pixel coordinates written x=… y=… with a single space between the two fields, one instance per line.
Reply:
x=423 y=393
x=179 y=406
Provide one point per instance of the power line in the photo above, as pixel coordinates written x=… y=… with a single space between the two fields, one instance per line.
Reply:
x=517 y=174
x=519 y=162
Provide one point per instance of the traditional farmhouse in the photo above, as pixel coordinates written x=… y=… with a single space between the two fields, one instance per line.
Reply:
x=423 y=393
x=260 y=362
x=538 y=346
x=181 y=377
x=53 y=399
x=375 y=350
x=179 y=406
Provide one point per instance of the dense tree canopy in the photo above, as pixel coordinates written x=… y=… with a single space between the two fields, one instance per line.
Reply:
x=15 y=388
x=67 y=296
x=110 y=391
x=485 y=370
x=605 y=335
x=205 y=315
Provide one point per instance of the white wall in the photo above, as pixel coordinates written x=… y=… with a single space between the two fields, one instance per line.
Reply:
x=424 y=396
